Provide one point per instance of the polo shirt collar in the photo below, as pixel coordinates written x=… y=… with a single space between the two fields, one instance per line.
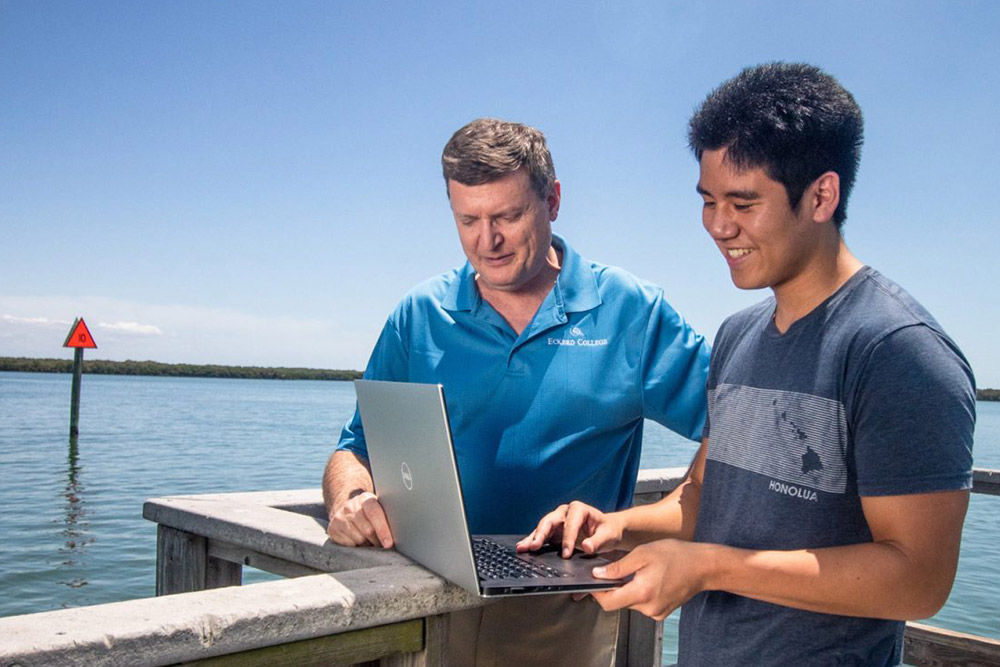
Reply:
x=576 y=285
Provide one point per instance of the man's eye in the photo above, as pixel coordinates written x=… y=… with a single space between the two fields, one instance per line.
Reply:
x=742 y=207
x=708 y=204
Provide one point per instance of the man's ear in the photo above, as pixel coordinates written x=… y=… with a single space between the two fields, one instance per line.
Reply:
x=553 y=200
x=825 y=195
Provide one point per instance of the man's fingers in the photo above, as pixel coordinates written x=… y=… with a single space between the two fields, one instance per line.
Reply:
x=360 y=521
x=372 y=510
x=345 y=534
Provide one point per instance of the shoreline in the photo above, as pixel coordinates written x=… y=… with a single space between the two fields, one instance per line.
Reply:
x=160 y=369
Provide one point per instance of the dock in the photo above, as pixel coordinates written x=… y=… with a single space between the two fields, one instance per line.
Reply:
x=336 y=606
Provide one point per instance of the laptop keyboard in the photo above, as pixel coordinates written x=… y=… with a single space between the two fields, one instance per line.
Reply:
x=494 y=561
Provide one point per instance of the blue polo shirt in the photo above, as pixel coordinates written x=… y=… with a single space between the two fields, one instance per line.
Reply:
x=556 y=413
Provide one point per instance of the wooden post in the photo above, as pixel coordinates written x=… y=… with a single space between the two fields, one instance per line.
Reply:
x=74 y=401
x=435 y=651
x=183 y=564
x=79 y=338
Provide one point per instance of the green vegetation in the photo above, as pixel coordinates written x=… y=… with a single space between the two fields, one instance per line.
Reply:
x=99 y=367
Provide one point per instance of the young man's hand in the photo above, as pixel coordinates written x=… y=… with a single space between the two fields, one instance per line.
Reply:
x=576 y=525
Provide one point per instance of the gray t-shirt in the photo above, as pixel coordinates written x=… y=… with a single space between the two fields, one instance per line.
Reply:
x=864 y=396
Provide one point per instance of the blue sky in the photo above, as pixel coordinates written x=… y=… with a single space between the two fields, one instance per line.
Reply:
x=258 y=183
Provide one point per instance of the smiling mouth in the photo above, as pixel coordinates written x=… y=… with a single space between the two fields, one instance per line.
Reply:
x=736 y=253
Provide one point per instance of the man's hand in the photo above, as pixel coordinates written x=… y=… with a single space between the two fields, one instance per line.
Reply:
x=360 y=521
x=665 y=575
x=576 y=525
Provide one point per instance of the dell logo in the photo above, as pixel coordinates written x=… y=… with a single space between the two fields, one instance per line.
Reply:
x=407 y=477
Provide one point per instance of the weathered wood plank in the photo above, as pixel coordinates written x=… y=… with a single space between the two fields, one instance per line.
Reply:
x=986 y=481
x=645 y=641
x=658 y=480
x=927 y=646
x=621 y=645
x=181 y=561
x=220 y=572
x=237 y=554
x=290 y=536
x=343 y=649
x=435 y=653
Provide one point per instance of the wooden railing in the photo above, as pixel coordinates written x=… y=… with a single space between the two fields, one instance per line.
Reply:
x=927 y=646
x=339 y=606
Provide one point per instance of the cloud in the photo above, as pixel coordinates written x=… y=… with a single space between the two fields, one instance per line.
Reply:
x=37 y=327
x=132 y=328
x=38 y=321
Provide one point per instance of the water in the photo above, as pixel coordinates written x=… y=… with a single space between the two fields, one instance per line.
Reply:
x=71 y=518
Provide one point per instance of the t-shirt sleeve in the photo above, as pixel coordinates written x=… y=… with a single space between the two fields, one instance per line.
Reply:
x=388 y=362
x=674 y=370
x=914 y=416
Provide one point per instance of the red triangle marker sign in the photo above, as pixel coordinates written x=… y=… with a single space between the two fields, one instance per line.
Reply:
x=79 y=335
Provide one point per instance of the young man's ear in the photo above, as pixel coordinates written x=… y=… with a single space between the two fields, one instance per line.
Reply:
x=825 y=196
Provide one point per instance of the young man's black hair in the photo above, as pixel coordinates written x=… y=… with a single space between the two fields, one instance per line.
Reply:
x=793 y=120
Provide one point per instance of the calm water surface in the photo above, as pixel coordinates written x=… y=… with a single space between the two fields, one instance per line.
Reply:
x=71 y=517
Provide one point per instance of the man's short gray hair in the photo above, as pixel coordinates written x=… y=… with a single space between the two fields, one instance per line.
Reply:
x=489 y=148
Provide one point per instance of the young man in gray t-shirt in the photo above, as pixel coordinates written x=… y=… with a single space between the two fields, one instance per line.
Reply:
x=825 y=505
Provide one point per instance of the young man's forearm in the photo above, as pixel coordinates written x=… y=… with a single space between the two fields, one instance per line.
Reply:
x=672 y=516
x=898 y=576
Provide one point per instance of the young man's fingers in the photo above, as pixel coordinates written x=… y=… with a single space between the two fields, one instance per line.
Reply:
x=602 y=535
x=576 y=518
x=549 y=525
x=616 y=598
x=628 y=564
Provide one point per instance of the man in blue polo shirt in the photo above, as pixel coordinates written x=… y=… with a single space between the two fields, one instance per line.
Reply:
x=550 y=363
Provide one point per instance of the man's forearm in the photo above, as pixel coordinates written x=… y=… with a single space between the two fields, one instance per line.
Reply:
x=345 y=476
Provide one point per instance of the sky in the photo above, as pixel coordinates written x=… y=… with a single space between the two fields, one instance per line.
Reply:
x=258 y=183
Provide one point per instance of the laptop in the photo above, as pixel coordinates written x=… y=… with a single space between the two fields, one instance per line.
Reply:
x=412 y=459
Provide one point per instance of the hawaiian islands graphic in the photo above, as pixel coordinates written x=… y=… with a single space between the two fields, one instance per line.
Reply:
x=810 y=461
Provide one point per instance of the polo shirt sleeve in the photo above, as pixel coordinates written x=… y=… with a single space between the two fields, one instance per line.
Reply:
x=674 y=371
x=913 y=417
x=389 y=361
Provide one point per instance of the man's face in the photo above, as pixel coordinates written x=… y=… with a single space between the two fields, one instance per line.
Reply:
x=505 y=230
x=765 y=242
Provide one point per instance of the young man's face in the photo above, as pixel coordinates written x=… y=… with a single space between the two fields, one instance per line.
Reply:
x=505 y=229
x=764 y=241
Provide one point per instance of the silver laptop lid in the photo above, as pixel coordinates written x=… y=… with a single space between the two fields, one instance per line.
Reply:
x=416 y=476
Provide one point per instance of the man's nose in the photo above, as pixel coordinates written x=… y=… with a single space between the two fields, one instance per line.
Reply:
x=490 y=236
x=719 y=222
